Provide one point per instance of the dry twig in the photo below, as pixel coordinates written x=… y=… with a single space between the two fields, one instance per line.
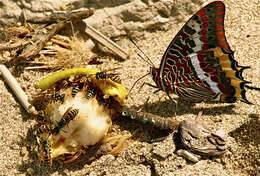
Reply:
x=61 y=16
x=39 y=67
x=18 y=91
x=105 y=41
x=11 y=45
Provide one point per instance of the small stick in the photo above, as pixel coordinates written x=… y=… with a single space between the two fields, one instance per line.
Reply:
x=60 y=16
x=12 y=45
x=61 y=43
x=105 y=41
x=199 y=115
x=18 y=91
x=50 y=50
x=38 y=67
x=33 y=62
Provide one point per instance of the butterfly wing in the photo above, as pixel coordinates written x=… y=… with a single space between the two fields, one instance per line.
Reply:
x=199 y=64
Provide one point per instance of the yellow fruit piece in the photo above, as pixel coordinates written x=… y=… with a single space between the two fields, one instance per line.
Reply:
x=47 y=82
x=108 y=87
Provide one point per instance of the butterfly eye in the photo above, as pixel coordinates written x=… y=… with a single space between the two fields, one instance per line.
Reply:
x=153 y=72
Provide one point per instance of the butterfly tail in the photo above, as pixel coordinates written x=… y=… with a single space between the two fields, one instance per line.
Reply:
x=252 y=88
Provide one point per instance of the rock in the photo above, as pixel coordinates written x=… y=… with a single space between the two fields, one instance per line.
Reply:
x=115 y=18
x=196 y=137
x=9 y=12
x=134 y=16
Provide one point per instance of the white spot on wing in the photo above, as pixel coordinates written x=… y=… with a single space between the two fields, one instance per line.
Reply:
x=198 y=44
x=201 y=74
x=195 y=37
x=194 y=25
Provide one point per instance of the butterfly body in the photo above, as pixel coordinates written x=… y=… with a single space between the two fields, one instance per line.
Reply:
x=199 y=65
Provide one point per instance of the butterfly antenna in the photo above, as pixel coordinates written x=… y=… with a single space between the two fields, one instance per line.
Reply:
x=145 y=59
x=112 y=69
x=137 y=81
x=148 y=59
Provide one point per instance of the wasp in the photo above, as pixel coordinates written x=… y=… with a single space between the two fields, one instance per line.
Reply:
x=103 y=75
x=107 y=101
x=65 y=83
x=56 y=96
x=84 y=79
x=62 y=84
x=45 y=149
x=43 y=129
x=91 y=91
x=76 y=88
x=41 y=117
x=46 y=154
x=45 y=98
x=69 y=115
x=75 y=91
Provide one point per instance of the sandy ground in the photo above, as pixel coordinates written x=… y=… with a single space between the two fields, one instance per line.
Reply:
x=241 y=121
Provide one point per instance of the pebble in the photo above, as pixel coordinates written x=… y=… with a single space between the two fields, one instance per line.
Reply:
x=30 y=171
x=218 y=160
x=189 y=156
x=258 y=162
x=24 y=152
x=90 y=44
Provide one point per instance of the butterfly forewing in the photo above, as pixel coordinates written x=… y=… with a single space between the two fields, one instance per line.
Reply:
x=199 y=64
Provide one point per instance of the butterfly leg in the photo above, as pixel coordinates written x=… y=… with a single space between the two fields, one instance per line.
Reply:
x=154 y=92
x=148 y=98
x=174 y=101
x=145 y=83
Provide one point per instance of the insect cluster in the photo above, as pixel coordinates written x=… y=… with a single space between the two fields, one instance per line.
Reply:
x=76 y=110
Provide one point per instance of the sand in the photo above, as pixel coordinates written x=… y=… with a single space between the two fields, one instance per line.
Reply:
x=240 y=120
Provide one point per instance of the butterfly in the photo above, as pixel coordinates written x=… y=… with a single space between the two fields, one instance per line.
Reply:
x=198 y=64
